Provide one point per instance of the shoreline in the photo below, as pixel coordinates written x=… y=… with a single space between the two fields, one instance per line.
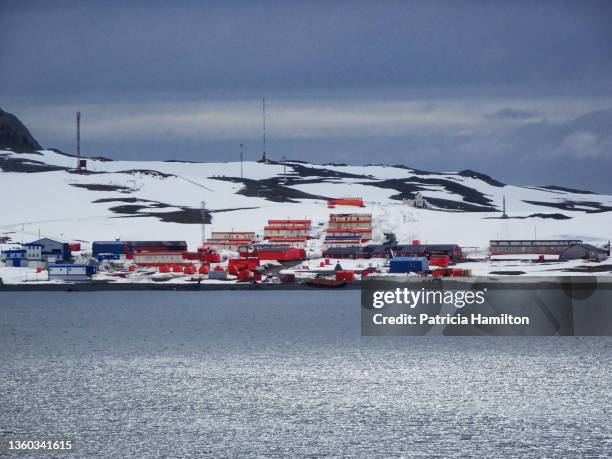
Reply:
x=102 y=287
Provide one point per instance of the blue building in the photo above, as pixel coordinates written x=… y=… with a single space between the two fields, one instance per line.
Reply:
x=14 y=258
x=408 y=265
x=70 y=272
x=109 y=247
x=46 y=249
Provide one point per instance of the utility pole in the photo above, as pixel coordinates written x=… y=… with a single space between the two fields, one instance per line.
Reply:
x=284 y=165
x=263 y=107
x=78 y=139
x=203 y=213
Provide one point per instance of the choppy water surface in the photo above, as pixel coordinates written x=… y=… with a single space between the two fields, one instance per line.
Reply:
x=173 y=374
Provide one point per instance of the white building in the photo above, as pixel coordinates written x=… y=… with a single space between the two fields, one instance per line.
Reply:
x=418 y=201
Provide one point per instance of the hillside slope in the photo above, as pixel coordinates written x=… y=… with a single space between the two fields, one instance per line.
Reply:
x=155 y=199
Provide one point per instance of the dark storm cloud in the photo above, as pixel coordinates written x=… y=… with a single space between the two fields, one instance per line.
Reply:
x=432 y=82
x=122 y=49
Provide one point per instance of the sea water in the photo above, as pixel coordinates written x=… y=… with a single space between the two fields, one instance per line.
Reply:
x=286 y=373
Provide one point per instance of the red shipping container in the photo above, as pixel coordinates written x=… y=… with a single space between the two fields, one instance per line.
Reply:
x=243 y=263
x=212 y=257
x=164 y=269
x=440 y=260
x=74 y=246
x=132 y=268
x=289 y=254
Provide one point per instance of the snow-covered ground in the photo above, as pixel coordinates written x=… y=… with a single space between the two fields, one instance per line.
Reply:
x=158 y=200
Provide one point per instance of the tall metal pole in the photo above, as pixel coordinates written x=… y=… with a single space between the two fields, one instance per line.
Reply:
x=284 y=165
x=263 y=106
x=78 y=122
x=203 y=212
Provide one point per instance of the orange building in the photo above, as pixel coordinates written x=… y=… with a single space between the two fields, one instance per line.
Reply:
x=230 y=240
x=348 y=201
x=348 y=230
x=287 y=232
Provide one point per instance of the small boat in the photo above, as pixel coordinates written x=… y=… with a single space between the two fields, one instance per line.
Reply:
x=323 y=282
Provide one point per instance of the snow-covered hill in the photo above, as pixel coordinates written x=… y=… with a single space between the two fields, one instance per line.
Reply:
x=40 y=192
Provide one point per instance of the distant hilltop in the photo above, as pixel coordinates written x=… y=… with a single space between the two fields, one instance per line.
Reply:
x=15 y=136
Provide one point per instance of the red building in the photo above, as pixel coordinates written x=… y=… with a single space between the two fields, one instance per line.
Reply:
x=275 y=252
x=294 y=233
x=230 y=240
x=358 y=202
x=348 y=230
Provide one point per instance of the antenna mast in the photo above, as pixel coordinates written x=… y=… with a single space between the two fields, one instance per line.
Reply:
x=78 y=139
x=263 y=106
x=203 y=213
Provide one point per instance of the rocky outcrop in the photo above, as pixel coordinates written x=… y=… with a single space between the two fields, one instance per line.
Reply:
x=15 y=136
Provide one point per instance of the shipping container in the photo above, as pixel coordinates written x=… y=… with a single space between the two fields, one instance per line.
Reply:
x=71 y=272
x=408 y=265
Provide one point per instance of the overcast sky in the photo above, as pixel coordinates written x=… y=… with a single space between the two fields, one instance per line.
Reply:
x=518 y=90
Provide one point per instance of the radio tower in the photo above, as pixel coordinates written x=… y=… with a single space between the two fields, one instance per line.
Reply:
x=504 y=214
x=203 y=213
x=78 y=139
x=263 y=106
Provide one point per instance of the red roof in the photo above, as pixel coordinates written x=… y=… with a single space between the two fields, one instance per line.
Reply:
x=228 y=241
x=351 y=230
x=282 y=222
x=286 y=228
x=286 y=239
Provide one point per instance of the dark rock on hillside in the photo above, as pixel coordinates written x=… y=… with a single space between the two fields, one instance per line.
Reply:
x=484 y=177
x=15 y=136
x=555 y=216
x=589 y=207
x=474 y=200
x=306 y=171
x=269 y=189
x=103 y=187
x=566 y=189
x=10 y=163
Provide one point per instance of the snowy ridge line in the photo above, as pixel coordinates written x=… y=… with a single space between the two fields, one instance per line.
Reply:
x=46 y=195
